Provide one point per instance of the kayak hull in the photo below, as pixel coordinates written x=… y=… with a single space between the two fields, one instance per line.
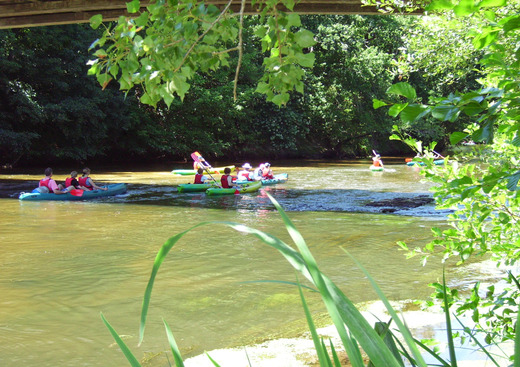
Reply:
x=279 y=178
x=113 y=189
x=438 y=162
x=376 y=169
x=192 y=172
x=242 y=189
x=194 y=187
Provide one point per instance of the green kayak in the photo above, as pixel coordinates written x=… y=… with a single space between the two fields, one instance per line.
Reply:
x=114 y=189
x=195 y=187
x=192 y=172
x=241 y=189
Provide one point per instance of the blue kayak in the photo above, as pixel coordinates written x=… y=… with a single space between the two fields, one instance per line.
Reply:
x=279 y=178
x=114 y=189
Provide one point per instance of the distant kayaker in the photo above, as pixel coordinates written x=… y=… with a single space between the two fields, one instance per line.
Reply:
x=258 y=173
x=226 y=180
x=88 y=183
x=376 y=161
x=245 y=174
x=200 y=178
x=51 y=185
x=267 y=172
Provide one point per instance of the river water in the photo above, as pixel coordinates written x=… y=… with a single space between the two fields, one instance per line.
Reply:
x=64 y=263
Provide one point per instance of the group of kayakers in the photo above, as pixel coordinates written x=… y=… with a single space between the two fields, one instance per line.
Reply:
x=49 y=185
x=227 y=180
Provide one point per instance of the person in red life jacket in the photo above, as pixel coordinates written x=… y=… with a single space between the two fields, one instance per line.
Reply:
x=50 y=184
x=245 y=174
x=226 y=180
x=376 y=161
x=267 y=172
x=87 y=182
x=72 y=182
x=200 y=178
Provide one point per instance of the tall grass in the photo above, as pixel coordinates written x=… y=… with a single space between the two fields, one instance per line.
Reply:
x=357 y=336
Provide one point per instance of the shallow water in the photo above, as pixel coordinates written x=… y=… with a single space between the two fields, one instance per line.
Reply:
x=63 y=263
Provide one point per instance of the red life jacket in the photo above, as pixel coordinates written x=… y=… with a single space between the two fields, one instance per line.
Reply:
x=44 y=182
x=198 y=179
x=224 y=182
x=68 y=181
x=83 y=182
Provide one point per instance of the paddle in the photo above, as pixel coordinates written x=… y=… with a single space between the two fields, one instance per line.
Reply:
x=200 y=160
x=76 y=192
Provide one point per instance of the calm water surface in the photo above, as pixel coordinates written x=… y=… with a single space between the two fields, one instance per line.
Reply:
x=63 y=263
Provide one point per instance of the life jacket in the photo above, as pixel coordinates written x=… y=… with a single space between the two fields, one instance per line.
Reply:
x=198 y=179
x=376 y=163
x=68 y=181
x=244 y=176
x=83 y=182
x=45 y=182
x=224 y=182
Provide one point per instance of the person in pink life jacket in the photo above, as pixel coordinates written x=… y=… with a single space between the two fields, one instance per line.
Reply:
x=200 y=178
x=50 y=184
x=87 y=182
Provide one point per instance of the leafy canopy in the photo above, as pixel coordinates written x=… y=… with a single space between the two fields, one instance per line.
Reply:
x=162 y=47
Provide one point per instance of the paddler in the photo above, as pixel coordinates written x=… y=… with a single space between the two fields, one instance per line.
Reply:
x=376 y=161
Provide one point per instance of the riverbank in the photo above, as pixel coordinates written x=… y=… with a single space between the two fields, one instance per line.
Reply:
x=300 y=352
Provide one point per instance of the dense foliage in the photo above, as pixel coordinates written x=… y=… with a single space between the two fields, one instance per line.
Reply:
x=52 y=110
x=480 y=185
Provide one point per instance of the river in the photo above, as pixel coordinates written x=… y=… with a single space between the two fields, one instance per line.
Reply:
x=64 y=263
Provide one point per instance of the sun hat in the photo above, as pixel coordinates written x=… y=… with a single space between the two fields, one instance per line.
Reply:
x=267 y=164
x=247 y=166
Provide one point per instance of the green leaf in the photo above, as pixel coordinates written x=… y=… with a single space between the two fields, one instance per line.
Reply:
x=396 y=109
x=133 y=6
x=413 y=112
x=306 y=60
x=512 y=182
x=304 y=38
x=96 y=21
x=403 y=89
x=376 y=103
x=173 y=346
x=440 y=5
x=512 y=24
x=457 y=137
x=465 y=7
x=126 y=351
x=293 y=20
x=486 y=38
x=492 y=3
x=445 y=113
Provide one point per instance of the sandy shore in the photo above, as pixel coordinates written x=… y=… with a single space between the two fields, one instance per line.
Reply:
x=299 y=352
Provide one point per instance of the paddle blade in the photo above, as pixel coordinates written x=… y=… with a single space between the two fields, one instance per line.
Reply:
x=237 y=192
x=76 y=192
x=195 y=156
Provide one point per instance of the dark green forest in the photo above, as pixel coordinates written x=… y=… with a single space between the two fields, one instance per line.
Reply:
x=52 y=111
